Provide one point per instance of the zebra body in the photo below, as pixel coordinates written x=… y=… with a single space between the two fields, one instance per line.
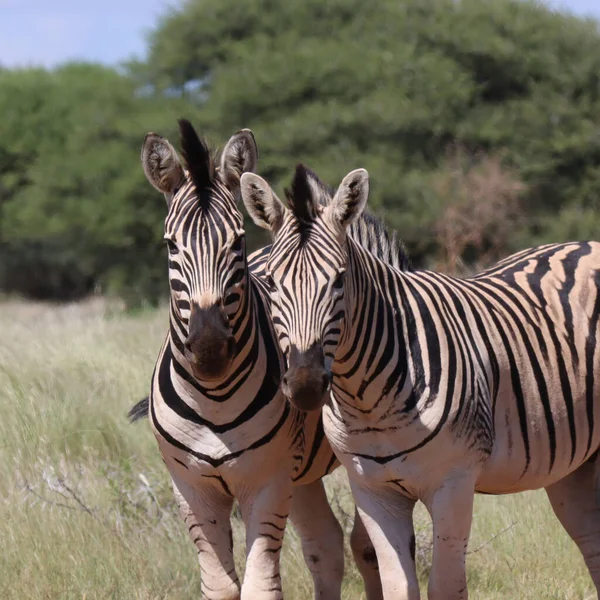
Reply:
x=223 y=427
x=217 y=431
x=498 y=369
x=441 y=386
x=220 y=429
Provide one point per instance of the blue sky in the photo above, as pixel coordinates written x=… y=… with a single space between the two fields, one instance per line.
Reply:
x=48 y=32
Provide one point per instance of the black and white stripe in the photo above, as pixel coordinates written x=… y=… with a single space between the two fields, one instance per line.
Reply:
x=444 y=386
x=233 y=434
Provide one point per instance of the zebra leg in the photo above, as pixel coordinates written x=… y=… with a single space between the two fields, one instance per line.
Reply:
x=576 y=502
x=365 y=558
x=207 y=517
x=322 y=539
x=265 y=512
x=451 y=509
x=388 y=520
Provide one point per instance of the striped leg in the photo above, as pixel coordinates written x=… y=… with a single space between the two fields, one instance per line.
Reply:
x=322 y=539
x=576 y=502
x=265 y=513
x=207 y=517
x=451 y=509
x=365 y=558
x=387 y=517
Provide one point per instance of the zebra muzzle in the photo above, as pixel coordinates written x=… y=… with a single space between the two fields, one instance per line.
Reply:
x=307 y=382
x=210 y=345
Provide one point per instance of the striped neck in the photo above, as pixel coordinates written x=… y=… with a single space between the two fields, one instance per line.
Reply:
x=376 y=315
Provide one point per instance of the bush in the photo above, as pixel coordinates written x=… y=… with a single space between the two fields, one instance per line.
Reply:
x=385 y=85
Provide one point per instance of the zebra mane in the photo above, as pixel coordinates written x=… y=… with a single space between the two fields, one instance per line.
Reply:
x=371 y=233
x=197 y=158
x=308 y=193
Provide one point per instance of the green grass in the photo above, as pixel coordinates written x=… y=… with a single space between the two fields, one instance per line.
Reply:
x=86 y=510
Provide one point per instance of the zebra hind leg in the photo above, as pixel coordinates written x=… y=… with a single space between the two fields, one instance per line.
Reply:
x=207 y=518
x=365 y=558
x=576 y=502
x=322 y=539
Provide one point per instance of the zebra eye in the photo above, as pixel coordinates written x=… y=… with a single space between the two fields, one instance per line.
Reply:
x=270 y=282
x=172 y=247
x=238 y=244
x=339 y=281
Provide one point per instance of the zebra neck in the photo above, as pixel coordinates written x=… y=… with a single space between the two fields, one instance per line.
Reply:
x=372 y=358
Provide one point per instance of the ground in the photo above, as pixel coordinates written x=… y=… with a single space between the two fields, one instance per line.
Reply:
x=85 y=506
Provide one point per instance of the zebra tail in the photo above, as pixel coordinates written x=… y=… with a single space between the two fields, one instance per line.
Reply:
x=139 y=410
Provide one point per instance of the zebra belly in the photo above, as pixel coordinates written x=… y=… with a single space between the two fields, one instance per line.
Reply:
x=504 y=476
x=535 y=446
x=380 y=459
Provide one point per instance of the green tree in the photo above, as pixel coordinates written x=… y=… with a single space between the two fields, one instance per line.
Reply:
x=390 y=86
x=76 y=211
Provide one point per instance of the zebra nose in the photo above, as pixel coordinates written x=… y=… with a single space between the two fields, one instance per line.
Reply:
x=306 y=390
x=210 y=345
x=307 y=381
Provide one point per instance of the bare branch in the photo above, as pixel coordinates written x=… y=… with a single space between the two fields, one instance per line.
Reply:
x=488 y=542
x=33 y=492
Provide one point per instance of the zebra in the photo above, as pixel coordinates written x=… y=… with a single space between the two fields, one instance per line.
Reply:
x=441 y=386
x=223 y=427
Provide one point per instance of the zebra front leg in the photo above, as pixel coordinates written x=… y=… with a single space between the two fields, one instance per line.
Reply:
x=365 y=558
x=322 y=539
x=265 y=512
x=576 y=502
x=451 y=509
x=207 y=513
x=388 y=519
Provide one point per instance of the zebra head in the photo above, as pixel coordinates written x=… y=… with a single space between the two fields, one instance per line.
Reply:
x=206 y=243
x=305 y=270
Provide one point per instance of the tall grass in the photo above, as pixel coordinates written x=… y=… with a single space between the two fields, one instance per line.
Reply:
x=86 y=510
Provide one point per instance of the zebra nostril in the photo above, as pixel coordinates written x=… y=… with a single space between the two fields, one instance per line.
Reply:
x=285 y=388
x=326 y=382
x=230 y=346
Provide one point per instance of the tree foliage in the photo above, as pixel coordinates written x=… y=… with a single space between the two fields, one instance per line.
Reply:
x=76 y=212
x=390 y=86
x=387 y=85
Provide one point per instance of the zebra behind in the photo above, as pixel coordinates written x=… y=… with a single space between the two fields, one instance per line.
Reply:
x=223 y=427
x=442 y=387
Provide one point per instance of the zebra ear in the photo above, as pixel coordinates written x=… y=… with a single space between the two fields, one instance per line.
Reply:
x=161 y=164
x=265 y=208
x=349 y=200
x=240 y=155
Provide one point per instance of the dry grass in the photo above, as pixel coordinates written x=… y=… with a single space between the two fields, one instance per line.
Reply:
x=85 y=506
